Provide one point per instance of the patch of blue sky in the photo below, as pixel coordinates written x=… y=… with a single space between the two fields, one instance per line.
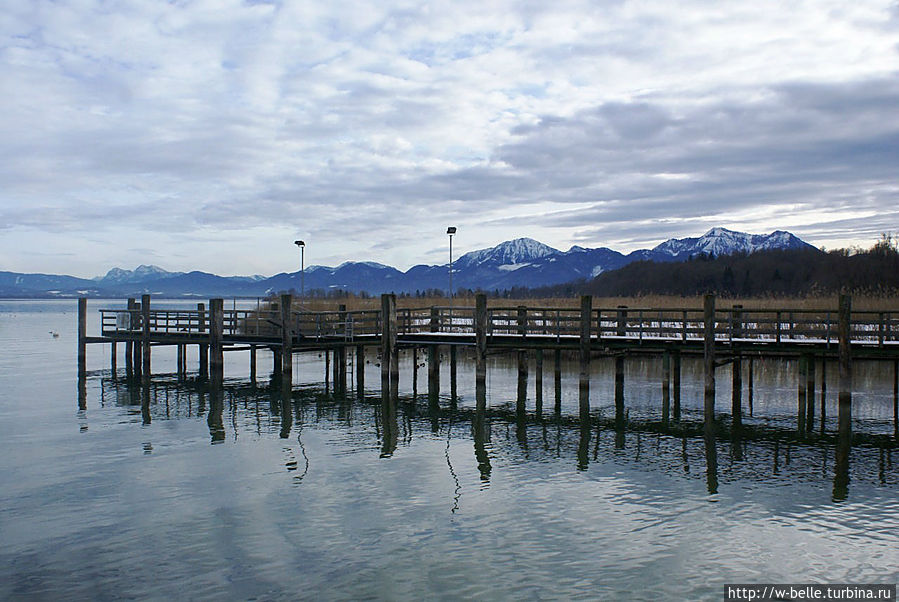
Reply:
x=459 y=48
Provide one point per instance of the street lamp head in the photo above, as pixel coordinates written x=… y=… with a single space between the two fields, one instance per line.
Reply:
x=299 y=243
x=451 y=230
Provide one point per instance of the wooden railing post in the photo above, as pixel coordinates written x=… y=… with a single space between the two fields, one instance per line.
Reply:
x=82 y=337
x=845 y=395
x=129 y=346
x=216 y=336
x=287 y=340
x=709 y=362
x=434 y=358
x=145 y=339
x=386 y=351
x=622 y=321
x=394 y=352
x=584 y=384
x=480 y=326
x=202 y=348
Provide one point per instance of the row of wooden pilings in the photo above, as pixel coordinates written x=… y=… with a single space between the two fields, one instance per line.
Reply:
x=211 y=364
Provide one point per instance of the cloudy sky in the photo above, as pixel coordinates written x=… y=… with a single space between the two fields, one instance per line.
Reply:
x=210 y=134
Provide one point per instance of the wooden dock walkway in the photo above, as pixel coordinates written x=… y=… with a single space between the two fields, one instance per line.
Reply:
x=721 y=335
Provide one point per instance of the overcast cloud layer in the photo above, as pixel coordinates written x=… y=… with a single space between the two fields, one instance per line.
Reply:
x=211 y=134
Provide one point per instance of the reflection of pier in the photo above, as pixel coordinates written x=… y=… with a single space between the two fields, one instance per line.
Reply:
x=753 y=452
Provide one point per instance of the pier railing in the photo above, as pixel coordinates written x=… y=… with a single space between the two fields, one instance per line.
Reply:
x=642 y=324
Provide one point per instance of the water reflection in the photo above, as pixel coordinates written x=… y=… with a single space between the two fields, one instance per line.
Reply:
x=511 y=432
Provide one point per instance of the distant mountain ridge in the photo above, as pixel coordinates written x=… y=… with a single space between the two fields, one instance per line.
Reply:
x=522 y=262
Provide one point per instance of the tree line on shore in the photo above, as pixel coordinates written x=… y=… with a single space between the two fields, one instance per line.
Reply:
x=777 y=273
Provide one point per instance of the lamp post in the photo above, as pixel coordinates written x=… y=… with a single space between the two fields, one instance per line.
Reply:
x=302 y=246
x=450 y=231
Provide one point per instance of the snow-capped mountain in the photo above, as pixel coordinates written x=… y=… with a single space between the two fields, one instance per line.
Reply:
x=141 y=273
x=721 y=241
x=507 y=256
x=522 y=262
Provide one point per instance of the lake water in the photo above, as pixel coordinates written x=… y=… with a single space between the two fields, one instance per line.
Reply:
x=236 y=501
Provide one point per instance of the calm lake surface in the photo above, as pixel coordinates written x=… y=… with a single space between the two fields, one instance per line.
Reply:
x=243 y=500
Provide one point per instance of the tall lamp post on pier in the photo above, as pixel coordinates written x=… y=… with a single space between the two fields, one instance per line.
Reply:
x=450 y=231
x=302 y=246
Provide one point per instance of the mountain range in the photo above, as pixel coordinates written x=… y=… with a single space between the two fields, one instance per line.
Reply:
x=522 y=262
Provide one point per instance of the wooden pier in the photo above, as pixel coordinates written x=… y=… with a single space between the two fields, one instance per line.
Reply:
x=733 y=335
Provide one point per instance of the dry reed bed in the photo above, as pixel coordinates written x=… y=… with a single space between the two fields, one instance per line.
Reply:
x=820 y=303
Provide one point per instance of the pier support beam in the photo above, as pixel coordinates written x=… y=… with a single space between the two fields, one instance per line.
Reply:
x=360 y=371
x=480 y=325
x=136 y=360
x=802 y=400
x=895 y=399
x=584 y=345
x=557 y=380
x=113 y=353
x=453 y=372
x=619 y=393
x=394 y=352
x=389 y=372
x=675 y=385
x=736 y=411
x=253 y=364
x=145 y=338
x=810 y=393
x=666 y=386
x=709 y=362
x=341 y=351
x=203 y=348
x=434 y=358
x=522 y=320
x=845 y=396
x=129 y=345
x=216 y=335
x=538 y=382
x=286 y=341
x=82 y=337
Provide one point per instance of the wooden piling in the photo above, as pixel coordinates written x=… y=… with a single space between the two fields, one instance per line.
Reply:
x=179 y=360
x=810 y=393
x=845 y=395
x=386 y=351
x=895 y=399
x=145 y=338
x=557 y=379
x=202 y=348
x=113 y=353
x=619 y=393
x=480 y=324
x=538 y=381
x=434 y=358
x=414 y=372
x=751 y=384
x=675 y=384
x=287 y=340
x=802 y=398
x=522 y=320
x=216 y=336
x=621 y=329
x=360 y=371
x=253 y=364
x=453 y=371
x=341 y=351
x=736 y=411
x=709 y=362
x=666 y=386
x=129 y=345
x=82 y=337
x=136 y=356
x=394 y=352
x=584 y=346
x=823 y=420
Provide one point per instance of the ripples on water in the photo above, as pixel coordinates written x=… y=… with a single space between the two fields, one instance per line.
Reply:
x=99 y=504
